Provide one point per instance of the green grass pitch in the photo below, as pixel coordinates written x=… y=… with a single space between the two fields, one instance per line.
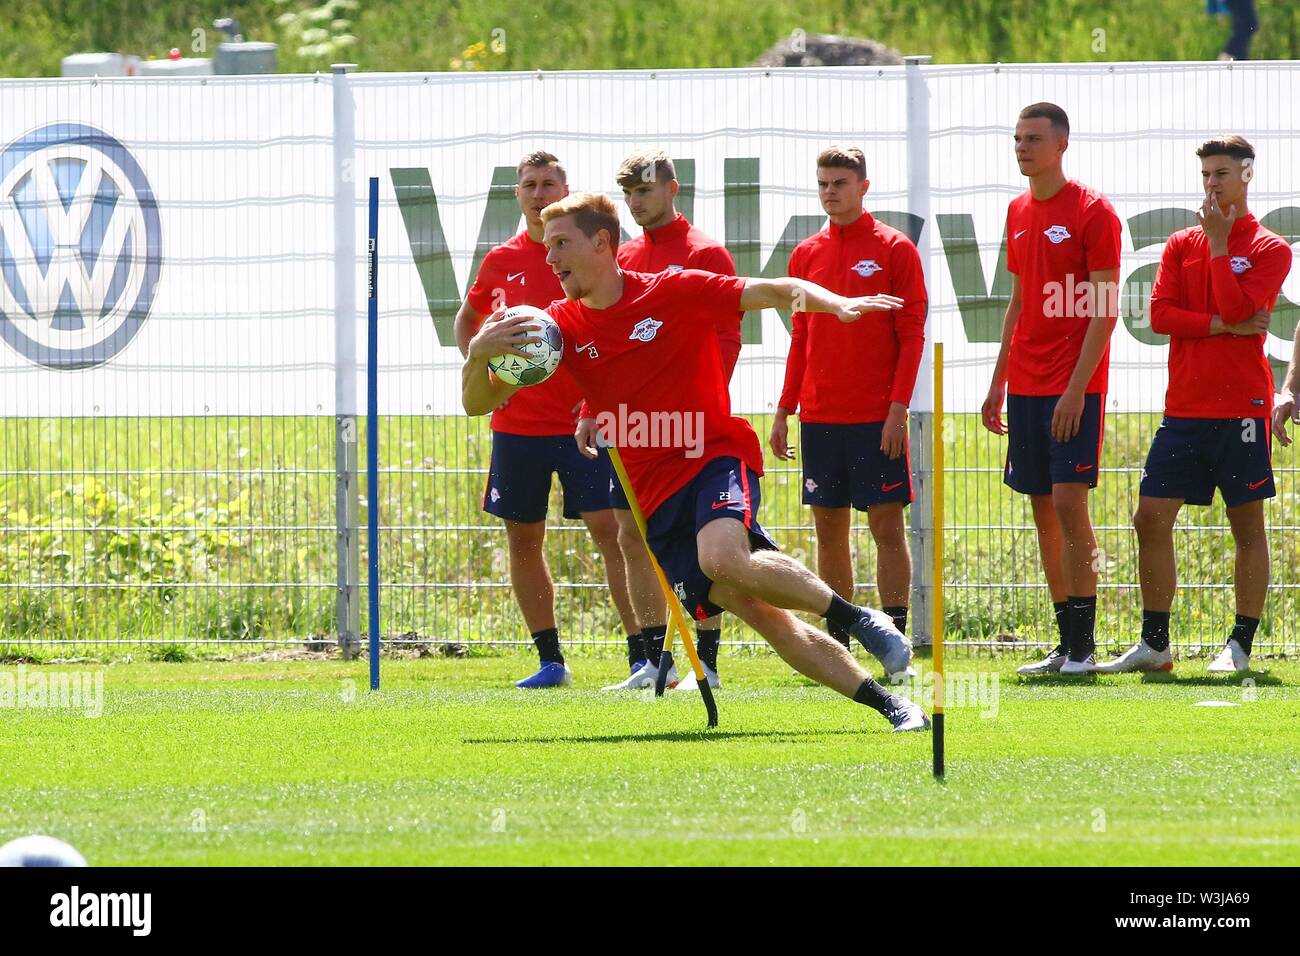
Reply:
x=287 y=762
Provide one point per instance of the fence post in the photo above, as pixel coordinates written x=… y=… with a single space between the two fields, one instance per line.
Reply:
x=347 y=606
x=921 y=431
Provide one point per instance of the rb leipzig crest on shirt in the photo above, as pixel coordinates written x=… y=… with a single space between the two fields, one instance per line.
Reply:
x=645 y=330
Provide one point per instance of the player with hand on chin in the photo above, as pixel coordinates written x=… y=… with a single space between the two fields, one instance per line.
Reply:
x=653 y=354
x=1215 y=287
x=1063 y=255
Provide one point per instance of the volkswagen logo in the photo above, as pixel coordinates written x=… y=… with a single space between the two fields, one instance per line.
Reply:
x=80 y=246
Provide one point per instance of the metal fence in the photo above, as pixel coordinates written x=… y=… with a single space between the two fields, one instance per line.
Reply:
x=235 y=525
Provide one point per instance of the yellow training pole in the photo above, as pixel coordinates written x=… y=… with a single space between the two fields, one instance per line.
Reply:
x=676 y=617
x=937 y=603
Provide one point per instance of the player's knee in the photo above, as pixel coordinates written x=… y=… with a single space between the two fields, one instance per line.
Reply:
x=1147 y=522
x=1250 y=539
x=889 y=532
x=1071 y=510
x=722 y=564
x=832 y=524
x=604 y=531
x=523 y=538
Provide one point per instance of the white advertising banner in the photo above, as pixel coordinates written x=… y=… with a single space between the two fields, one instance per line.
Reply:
x=168 y=246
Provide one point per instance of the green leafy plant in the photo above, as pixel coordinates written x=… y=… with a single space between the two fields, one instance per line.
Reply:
x=318 y=31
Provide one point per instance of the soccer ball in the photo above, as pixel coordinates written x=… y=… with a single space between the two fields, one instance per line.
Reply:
x=543 y=357
x=39 y=851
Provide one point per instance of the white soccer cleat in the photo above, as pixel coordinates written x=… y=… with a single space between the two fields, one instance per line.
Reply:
x=1231 y=660
x=1072 y=667
x=1050 y=664
x=643 y=677
x=689 y=682
x=906 y=716
x=1139 y=657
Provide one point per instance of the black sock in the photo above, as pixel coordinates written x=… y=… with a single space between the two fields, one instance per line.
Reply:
x=548 y=646
x=1243 y=632
x=1083 y=624
x=635 y=649
x=706 y=643
x=874 y=696
x=653 y=638
x=840 y=634
x=899 y=614
x=1155 y=629
x=841 y=612
x=1062 y=609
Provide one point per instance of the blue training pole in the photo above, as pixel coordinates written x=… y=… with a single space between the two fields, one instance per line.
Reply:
x=372 y=430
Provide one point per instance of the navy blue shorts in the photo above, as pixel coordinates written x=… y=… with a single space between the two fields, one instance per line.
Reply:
x=616 y=497
x=1190 y=457
x=843 y=466
x=724 y=488
x=1036 y=460
x=519 y=478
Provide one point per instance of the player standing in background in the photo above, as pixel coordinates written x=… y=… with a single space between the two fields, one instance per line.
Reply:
x=1288 y=404
x=1214 y=290
x=652 y=354
x=852 y=383
x=532 y=435
x=1063 y=252
x=669 y=243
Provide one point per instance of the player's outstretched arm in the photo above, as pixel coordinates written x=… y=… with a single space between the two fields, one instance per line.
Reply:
x=800 y=295
x=480 y=390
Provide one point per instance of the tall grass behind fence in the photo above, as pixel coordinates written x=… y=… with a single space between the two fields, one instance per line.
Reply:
x=219 y=533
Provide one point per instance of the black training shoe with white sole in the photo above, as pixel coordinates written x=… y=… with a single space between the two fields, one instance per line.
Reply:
x=1073 y=667
x=1051 y=664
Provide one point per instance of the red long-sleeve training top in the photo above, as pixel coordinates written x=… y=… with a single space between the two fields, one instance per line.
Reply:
x=840 y=373
x=1218 y=376
x=680 y=245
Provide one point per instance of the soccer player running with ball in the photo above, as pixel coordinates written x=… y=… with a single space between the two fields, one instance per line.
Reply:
x=668 y=243
x=641 y=347
x=1212 y=296
x=853 y=426
x=1063 y=251
x=532 y=436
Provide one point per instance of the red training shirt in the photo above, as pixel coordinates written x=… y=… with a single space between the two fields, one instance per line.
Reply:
x=677 y=246
x=517 y=269
x=1052 y=245
x=845 y=373
x=1218 y=376
x=652 y=380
